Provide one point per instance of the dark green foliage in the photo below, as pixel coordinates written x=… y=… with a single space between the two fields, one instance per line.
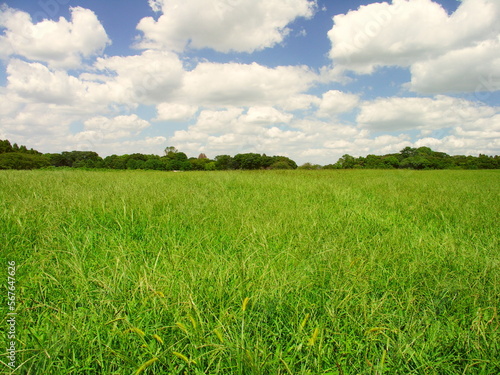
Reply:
x=408 y=158
x=18 y=160
x=419 y=158
x=154 y=164
x=248 y=161
x=282 y=162
x=19 y=157
x=223 y=162
x=75 y=159
x=5 y=146
x=115 y=162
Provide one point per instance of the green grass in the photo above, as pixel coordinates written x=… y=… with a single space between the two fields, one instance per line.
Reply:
x=296 y=272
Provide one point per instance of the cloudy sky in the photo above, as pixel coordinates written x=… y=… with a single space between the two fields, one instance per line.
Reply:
x=311 y=80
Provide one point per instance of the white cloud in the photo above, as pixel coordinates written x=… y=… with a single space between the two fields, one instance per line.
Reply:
x=398 y=114
x=213 y=122
x=233 y=120
x=149 y=78
x=265 y=116
x=66 y=94
x=156 y=5
x=335 y=102
x=439 y=48
x=34 y=81
x=61 y=44
x=175 y=112
x=235 y=84
x=474 y=68
x=223 y=25
x=116 y=127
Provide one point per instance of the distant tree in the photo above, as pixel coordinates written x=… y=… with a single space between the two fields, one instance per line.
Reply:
x=170 y=149
x=19 y=160
x=223 y=162
x=267 y=161
x=210 y=166
x=390 y=162
x=373 y=162
x=5 y=146
x=346 y=161
x=280 y=159
x=280 y=165
x=408 y=152
x=115 y=162
x=415 y=162
x=154 y=164
x=198 y=164
x=424 y=151
x=135 y=163
x=248 y=161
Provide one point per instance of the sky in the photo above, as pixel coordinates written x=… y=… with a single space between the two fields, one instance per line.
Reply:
x=311 y=80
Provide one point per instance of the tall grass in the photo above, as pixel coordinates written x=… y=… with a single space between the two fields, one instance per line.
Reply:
x=293 y=272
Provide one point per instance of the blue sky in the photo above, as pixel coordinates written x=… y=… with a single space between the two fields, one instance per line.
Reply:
x=311 y=80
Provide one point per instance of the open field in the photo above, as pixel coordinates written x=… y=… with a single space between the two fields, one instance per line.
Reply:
x=268 y=272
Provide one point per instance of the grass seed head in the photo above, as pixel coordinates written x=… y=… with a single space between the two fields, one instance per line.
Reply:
x=245 y=304
x=145 y=365
x=158 y=338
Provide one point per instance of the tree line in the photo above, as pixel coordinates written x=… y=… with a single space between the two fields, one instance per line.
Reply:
x=417 y=158
x=13 y=156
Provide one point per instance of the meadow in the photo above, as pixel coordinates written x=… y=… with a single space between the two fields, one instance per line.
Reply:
x=257 y=272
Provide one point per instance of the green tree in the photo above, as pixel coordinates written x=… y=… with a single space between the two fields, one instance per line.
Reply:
x=282 y=159
x=5 y=146
x=223 y=162
x=18 y=160
x=346 y=161
x=248 y=161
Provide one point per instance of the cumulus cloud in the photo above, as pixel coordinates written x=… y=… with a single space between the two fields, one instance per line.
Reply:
x=38 y=83
x=214 y=122
x=116 y=127
x=223 y=25
x=175 y=112
x=335 y=102
x=234 y=84
x=148 y=78
x=234 y=120
x=421 y=35
x=266 y=116
x=61 y=44
x=400 y=114
x=474 y=68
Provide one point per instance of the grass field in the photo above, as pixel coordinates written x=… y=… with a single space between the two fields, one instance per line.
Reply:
x=293 y=272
